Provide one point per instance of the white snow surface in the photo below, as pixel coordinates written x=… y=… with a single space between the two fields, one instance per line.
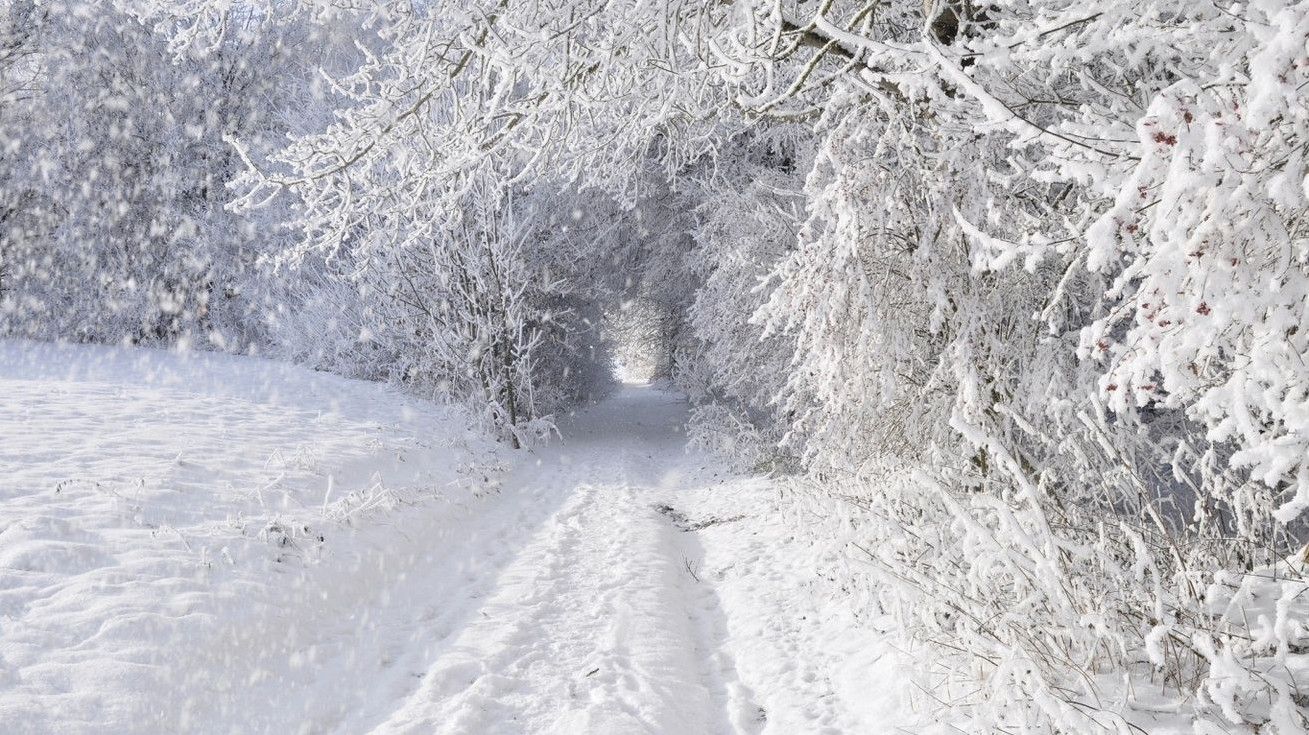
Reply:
x=204 y=543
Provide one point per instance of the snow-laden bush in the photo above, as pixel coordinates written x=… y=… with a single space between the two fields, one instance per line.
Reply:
x=471 y=313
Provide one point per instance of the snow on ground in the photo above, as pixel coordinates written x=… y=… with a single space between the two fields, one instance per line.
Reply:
x=803 y=662
x=204 y=543
x=173 y=528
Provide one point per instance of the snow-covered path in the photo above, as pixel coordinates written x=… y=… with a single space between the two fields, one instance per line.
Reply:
x=595 y=625
x=612 y=583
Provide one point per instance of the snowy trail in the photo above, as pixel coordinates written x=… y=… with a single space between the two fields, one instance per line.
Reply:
x=594 y=626
x=612 y=583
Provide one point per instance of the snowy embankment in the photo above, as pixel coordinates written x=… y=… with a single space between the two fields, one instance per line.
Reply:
x=206 y=544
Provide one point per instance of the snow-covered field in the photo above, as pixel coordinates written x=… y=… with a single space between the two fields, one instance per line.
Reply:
x=204 y=543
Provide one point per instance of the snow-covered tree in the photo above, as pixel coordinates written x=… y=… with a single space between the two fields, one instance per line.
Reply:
x=122 y=163
x=1002 y=188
